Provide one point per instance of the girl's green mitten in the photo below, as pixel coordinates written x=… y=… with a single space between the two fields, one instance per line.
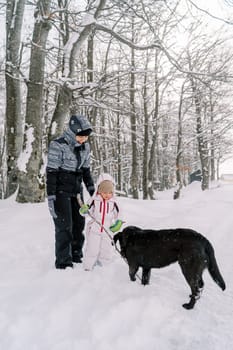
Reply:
x=116 y=226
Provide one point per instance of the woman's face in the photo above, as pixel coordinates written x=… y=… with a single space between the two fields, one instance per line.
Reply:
x=81 y=139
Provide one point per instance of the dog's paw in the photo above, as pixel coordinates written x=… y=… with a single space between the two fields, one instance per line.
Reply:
x=190 y=305
x=187 y=306
x=132 y=278
x=145 y=282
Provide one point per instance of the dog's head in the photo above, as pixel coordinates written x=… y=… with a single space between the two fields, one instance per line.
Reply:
x=131 y=230
x=123 y=237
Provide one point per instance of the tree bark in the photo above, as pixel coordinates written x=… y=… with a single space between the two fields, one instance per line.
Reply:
x=133 y=123
x=201 y=139
x=119 y=143
x=212 y=146
x=31 y=184
x=61 y=112
x=179 y=179
x=146 y=136
x=14 y=118
x=63 y=93
x=153 y=167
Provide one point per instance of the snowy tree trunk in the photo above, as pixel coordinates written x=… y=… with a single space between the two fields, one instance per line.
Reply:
x=119 y=141
x=212 y=146
x=146 y=137
x=153 y=161
x=14 y=119
x=203 y=152
x=133 y=122
x=61 y=112
x=64 y=93
x=201 y=139
x=31 y=185
x=98 y=147
x=179 y=179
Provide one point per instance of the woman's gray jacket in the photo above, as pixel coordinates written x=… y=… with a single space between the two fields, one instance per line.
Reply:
x=68 y=166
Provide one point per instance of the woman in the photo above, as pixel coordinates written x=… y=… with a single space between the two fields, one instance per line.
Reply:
x=67 y=167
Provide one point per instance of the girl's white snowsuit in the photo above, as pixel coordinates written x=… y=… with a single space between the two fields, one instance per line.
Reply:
x=98 y=244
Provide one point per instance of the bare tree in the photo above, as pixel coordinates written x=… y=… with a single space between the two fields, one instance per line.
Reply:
x=146 y=133
x=31 y=184
x=133 y=121
x=153 y=159
x=71 y=54
x=14 y=118
x=179 y=179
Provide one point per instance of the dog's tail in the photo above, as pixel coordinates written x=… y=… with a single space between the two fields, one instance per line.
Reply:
x=213 y=267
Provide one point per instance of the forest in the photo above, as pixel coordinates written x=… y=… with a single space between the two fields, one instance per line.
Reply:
x=154 y=78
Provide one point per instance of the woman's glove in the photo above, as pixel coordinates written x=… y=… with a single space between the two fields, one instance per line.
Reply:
x=51 y=200
x=84 y=209
x=116 y=226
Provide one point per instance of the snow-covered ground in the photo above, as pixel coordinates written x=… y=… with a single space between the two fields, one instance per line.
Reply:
x=47 y=309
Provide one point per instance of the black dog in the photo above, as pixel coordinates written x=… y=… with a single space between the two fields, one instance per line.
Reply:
x=159 y=248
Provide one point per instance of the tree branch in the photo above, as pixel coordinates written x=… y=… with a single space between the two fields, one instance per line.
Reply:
x=210 y=14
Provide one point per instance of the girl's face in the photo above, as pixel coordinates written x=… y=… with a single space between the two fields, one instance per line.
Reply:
x=106 y=195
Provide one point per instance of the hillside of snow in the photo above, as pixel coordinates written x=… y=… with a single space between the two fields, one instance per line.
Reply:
x=47 y=309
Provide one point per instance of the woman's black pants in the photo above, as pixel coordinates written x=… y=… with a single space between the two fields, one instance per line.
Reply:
x=69 y=226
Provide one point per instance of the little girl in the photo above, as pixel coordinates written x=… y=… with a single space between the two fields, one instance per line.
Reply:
x=104 y=211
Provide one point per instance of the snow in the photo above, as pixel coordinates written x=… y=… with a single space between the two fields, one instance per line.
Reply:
x=26 y=153
x=14 y=14
x=47 y=309
x=88 y=19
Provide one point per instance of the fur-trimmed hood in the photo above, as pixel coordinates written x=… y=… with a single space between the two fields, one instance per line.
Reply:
x=103 y=177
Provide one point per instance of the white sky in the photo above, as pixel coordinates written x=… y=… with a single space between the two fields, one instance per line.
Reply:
x=227 y=166
x=213 y=5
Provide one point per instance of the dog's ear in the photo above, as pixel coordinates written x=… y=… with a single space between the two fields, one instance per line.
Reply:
x=120 y=237
x=117 y=237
